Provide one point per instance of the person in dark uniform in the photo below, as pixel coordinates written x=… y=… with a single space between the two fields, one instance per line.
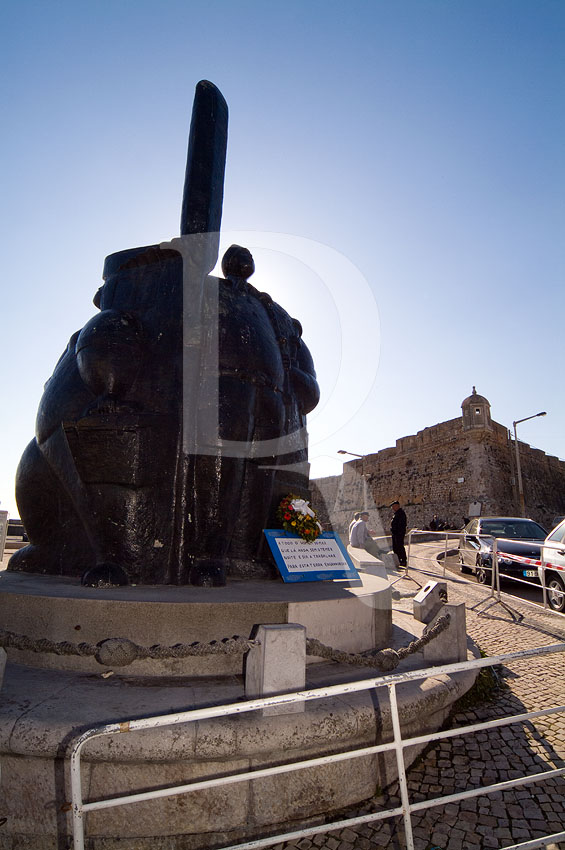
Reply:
x=398 y=531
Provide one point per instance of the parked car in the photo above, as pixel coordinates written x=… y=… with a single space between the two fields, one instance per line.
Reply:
x=554 y=561
x=516 y=536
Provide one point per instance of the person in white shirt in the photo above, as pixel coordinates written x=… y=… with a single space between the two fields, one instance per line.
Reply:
x=356 y=516
x=360 y=538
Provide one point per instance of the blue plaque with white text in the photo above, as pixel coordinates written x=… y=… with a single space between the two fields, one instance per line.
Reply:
x=322 y=559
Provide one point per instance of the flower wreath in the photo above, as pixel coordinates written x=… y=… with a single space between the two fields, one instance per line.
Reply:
x=297 y=517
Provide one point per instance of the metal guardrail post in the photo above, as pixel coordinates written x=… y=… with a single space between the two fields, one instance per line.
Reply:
x=401 y=767
x=445 y=554
x=77 y=811
x=406 y=574
x=543 y=585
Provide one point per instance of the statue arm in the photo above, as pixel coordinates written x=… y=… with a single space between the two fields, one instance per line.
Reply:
x=303 y=380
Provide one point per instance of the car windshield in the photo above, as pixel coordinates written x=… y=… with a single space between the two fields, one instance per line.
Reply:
x=514 y=529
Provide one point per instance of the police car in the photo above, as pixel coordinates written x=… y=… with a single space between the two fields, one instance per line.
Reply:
x=553 y=565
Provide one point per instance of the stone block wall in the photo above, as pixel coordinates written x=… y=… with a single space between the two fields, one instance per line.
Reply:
x=443 y=470
x=543 y=479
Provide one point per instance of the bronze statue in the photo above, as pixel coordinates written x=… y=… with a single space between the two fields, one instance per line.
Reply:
x=174 y=422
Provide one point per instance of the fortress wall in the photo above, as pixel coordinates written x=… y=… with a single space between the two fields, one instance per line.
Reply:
x=443 y=470
x=543 y=478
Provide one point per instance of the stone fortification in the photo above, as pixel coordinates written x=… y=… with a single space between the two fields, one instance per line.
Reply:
x=455 y=469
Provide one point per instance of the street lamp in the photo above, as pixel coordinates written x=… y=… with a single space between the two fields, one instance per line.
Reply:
x=365 y=498
x=518 y=468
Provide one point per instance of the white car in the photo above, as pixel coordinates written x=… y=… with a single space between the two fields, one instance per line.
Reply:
x=553 y=558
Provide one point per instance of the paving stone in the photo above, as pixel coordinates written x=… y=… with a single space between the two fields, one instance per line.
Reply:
x=468 y=817
x=514 y=811
x=522 y=795
x=365 y=830
x=502 y=832
x=520 y=833
x=347 y=835
x=379 y=839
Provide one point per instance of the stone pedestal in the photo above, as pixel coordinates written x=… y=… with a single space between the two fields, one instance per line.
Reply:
x=48 y=700
x=352 y=616
x=43 y=711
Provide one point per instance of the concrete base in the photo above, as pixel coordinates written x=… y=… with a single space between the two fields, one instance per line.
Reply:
x=348 y=615
x=50 y=699
x=42 y=711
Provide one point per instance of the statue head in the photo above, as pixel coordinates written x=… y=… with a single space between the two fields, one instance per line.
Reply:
x=238 y=262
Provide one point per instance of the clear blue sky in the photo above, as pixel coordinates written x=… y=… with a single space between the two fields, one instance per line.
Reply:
x=422 y=140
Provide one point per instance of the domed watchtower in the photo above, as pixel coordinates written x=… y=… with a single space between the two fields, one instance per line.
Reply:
x=476 y=412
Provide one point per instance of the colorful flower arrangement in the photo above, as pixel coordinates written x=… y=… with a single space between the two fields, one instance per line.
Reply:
x=297 y=517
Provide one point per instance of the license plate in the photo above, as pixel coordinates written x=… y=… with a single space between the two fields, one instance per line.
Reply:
x=530 y=573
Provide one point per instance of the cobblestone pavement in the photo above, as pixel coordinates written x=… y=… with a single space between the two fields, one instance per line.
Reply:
x=456 y=764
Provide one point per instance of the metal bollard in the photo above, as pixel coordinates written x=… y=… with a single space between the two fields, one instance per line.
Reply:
x=429 y=600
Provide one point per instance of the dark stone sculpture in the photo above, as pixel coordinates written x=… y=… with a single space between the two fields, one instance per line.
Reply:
x=174 y=422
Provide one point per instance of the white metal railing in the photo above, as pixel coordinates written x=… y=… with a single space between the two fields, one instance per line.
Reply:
x=496 y=573
x=398 y=745
x=444 y=535
x=540 y=566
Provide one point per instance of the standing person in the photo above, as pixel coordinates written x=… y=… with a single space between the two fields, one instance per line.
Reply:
x=398 y=530
x=360 y=537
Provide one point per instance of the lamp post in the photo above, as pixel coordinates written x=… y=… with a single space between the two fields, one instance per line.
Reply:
x=518 y=468
x=365 y=499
